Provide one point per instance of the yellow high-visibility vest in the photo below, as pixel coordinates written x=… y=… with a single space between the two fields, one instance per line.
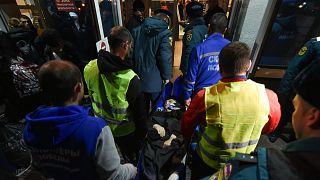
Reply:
x=236 y=112
x=108 y=95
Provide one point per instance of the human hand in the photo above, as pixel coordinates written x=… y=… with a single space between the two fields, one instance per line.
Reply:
x=166 y=81
x=167 y=143
x=135 y=170
x=187 y=102
x=160 y=129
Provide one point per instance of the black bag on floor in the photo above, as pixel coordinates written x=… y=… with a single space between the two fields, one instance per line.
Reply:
x=158 y=162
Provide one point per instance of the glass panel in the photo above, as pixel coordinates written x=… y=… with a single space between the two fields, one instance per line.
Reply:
x=296 y=22
x=107 y=16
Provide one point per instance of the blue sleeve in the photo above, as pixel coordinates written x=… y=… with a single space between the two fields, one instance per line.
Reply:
x=165 y=57
x=192 y=74
x=299 y=62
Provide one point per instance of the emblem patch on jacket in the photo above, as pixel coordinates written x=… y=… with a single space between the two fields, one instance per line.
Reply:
x=303 y=51
x=189 y=35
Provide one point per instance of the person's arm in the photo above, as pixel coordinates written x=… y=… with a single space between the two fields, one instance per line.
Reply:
x=108 y=160
x=165 y=57
x=188 y=44
x=195 y=114
x=191 y=77
x=135 y=99
x=274 y=114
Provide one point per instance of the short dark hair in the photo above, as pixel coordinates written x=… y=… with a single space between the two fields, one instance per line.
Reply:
x=194 y=9
x=234 y=58
x=138 y=5
x=117 y=36
x=51 y=37
x=57 y=80
x=218 y=22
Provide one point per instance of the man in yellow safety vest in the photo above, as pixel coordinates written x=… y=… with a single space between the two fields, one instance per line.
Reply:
x=115 y=92
x=232 y=113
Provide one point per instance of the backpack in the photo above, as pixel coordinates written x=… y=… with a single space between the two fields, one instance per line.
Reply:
x=25 y=78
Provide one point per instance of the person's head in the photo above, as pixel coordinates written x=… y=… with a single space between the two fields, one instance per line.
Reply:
x=14 y=22
x=194 y=9
x=26 y=22
x=105 y=10
x=306 y=116
x=53 y=39
x=61 y=83
x=163 y=3
x=120 y=41
x=138 y=6
x=163 y=14
x=234 y=59
x=218 y=23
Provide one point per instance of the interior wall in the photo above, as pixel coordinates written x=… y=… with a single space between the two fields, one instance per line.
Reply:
x=10 y=7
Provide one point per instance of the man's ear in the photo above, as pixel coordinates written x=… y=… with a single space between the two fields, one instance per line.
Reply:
x=77 y=88
x=209 y=29
x=313 y=118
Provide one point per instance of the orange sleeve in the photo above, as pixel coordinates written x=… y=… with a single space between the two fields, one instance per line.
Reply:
x=195 y=114
x=274 y=114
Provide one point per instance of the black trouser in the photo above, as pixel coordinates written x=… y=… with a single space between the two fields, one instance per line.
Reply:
x=200 y=169
x=129 y=147
x=150 y=97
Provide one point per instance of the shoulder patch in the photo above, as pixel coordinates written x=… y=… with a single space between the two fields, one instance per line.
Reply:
x=189 y=35
x=302 y=51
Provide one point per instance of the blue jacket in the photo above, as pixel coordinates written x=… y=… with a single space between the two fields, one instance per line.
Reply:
x=203 y=70
x=67 y=143
x=194 y=34
x=152 y=58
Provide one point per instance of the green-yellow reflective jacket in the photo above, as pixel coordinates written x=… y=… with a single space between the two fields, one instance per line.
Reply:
x=108 y=95
x=236 y=112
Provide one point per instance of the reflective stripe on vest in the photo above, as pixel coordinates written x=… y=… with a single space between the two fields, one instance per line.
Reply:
x=236 y=112
x=110 y=109
x=224 y=146
x=108 y=94
x=112 y=121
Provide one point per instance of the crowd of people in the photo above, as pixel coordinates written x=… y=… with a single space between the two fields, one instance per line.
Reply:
x=45 y=78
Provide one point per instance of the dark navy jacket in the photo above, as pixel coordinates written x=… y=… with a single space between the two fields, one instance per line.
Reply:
x=309 y=53
x=299 y=160
x=152 y=58
x=194 y=34
x=203 y=70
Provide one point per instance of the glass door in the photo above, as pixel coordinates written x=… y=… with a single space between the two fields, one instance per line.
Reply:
x=108 y=15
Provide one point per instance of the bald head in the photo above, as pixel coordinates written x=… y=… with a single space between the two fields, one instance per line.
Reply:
x=60 y=81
